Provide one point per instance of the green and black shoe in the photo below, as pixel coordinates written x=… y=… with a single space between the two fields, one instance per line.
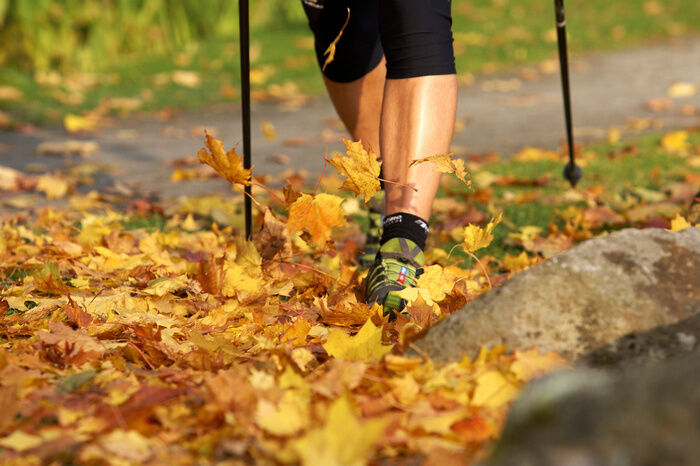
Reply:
x=373 y=232
x=398 y=264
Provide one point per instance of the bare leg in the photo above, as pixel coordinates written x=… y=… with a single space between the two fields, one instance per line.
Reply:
x=418 y=116
x=359 y=105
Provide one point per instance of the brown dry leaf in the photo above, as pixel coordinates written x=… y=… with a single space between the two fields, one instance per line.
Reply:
x=273 y=238
x=446 y=164
x=360 y=167
x=227 y=164
x=316 y=215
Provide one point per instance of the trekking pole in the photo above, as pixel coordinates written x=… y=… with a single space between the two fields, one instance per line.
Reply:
x=244 y=35
x=572 y=172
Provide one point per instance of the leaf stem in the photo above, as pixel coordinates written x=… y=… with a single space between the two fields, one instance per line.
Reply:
x=483 y=269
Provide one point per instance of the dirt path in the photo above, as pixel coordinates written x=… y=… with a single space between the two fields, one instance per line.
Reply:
x=501 y=112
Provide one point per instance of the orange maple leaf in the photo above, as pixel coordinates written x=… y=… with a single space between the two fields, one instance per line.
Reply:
x=317 y=215
x=227 y=164
x=360 y=167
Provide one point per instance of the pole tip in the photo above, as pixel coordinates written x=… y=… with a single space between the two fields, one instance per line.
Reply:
x=573 y=173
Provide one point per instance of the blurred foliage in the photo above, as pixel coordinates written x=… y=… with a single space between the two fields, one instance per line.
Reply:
x=40 y=35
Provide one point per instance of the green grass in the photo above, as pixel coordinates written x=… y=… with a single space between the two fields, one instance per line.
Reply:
x=489 y=35
x=618 y=175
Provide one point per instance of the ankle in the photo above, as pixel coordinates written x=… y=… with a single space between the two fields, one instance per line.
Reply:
x=405 y=225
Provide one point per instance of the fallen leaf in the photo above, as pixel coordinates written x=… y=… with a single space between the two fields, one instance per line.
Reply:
x=493 y=390
x=530 y=364
x=268 y=130
x=679 y=223
x=342 y=441
x=681 y=90
x=366 y=346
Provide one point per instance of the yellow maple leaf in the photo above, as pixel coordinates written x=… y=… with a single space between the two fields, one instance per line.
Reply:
x=533 y=154
x=20 y=441
x=342 y=441
x=77 y=123
x=676 y=141
x=360 y=167
x=437 y=280
x=531 y=364
x=518 y=263
x=53 y=186
x=288 y=417
x=330 y=51
x=679 y=223
x=493 y=390
x=476 y=238
x=444 y=163
x=365 y=346
x=227 y=164
x=317 y=215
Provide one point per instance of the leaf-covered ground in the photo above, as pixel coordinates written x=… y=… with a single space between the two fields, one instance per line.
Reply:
x=139 y=332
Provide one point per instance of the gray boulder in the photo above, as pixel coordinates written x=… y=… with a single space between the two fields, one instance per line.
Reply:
x=582 y=300
x=641 y=416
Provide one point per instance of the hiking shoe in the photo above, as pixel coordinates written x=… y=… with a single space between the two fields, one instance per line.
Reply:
x=373 y=231
x=397 y=265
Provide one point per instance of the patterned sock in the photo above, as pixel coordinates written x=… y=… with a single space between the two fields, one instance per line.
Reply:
x=404 y=225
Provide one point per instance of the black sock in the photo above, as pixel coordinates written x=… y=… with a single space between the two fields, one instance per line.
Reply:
x=403 y=225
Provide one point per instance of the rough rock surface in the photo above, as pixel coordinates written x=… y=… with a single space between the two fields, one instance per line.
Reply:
x=582 y=300
x=642 y=416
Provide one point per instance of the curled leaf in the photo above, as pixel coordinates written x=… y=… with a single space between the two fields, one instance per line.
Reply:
x=330 y=51
x=444 y=163
x=227 y=164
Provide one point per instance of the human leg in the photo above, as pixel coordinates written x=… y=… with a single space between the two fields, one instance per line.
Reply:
x=355 y=83
x=418 y=114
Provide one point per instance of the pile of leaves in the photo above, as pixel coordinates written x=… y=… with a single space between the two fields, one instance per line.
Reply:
x=192 y=344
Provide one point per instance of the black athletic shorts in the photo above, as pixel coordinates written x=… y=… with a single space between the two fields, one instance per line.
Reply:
x=415 y=36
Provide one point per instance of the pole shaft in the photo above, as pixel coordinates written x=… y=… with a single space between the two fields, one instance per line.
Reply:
x=245 y=103
x=564 y=67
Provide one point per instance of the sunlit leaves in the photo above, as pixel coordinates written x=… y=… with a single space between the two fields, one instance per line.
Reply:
x=227 y=164
x=444 y=163
x=476 y=238
x=365 y=346
x=316 y=215
x=330 y=51
x=360 y=167
x=342 y=440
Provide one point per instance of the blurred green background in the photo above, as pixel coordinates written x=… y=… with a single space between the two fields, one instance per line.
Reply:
x=70 y=56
